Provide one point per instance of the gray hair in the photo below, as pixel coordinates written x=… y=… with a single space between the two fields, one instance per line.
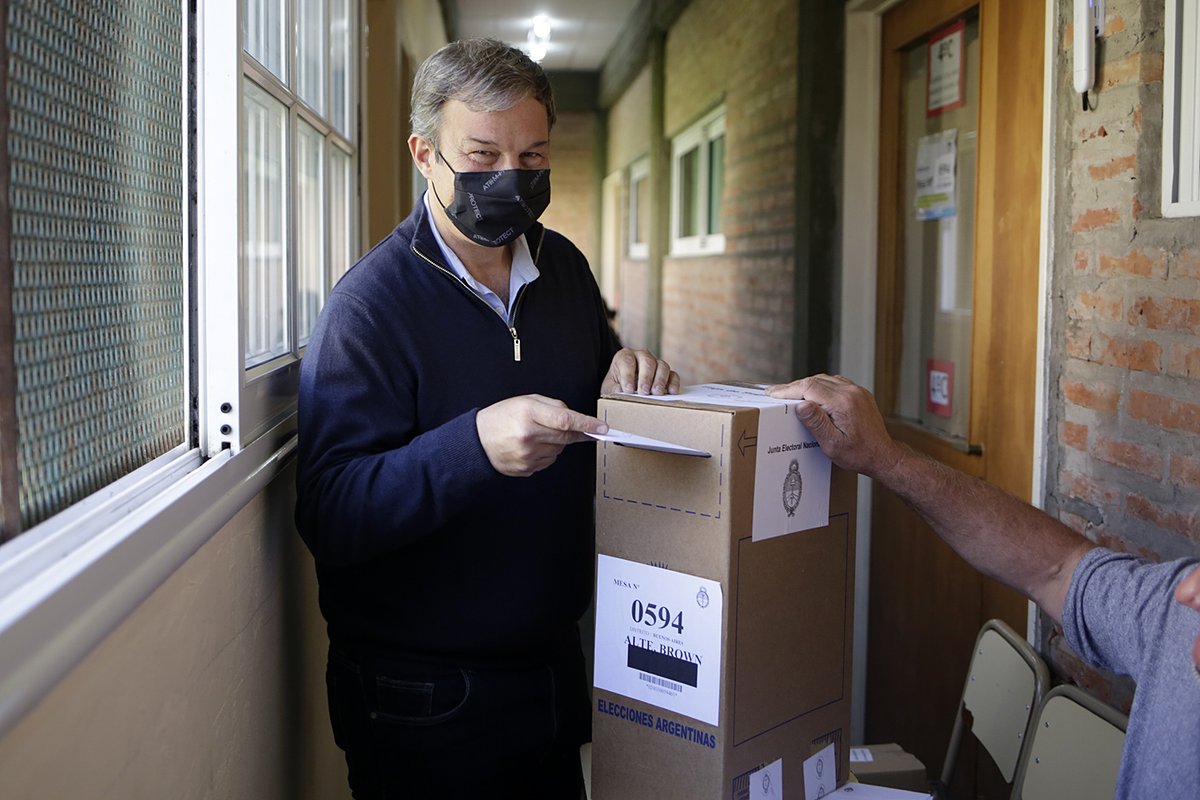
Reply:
x=483 y=74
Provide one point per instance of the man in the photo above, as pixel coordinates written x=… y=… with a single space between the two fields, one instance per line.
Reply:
x=1116 y=609
x=450 y=523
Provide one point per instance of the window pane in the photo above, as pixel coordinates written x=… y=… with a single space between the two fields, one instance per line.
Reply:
x=339 y=66
x=264 y=153
x=689 y=193
x=716 y=182
x=310 y=52
x=340 y=195
x=310 y=228
x=263 y=34
x=97 y=185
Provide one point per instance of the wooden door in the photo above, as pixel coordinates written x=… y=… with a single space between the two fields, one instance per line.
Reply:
x=957 y=298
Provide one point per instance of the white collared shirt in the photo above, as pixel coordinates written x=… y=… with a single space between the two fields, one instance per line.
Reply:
x=523 y=269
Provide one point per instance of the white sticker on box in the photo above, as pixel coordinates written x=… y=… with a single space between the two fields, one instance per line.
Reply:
x=658 y=637
x=861 y=755
x=820 y=773
x=791 y=476
x=767 y=783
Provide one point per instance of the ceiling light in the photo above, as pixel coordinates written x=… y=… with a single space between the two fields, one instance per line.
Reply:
x=537 y=40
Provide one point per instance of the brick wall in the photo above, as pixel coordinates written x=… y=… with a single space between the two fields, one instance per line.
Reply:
x=572 y=210
x=1124 y=343
x=731 y=316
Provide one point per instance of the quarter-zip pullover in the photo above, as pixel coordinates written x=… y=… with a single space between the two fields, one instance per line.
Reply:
x=420 y=545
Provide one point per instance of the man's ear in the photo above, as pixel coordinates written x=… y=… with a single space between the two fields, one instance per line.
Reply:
x=423 y=154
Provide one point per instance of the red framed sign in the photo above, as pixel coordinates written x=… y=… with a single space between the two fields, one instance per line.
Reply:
x=945 y=70
x=939 y=387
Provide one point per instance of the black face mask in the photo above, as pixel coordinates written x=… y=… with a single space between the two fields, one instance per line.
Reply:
x=493 y=208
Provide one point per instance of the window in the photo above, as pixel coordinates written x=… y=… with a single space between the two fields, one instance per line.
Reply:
x=296 y=133
x=1181 y=110
x=639 y=209
x=96 y=156
x=291 y=234
x=697 y=183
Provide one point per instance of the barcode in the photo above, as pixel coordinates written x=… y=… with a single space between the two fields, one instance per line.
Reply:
x=657 y=681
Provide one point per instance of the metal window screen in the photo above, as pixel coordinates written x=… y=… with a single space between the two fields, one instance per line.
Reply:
x=95 y=144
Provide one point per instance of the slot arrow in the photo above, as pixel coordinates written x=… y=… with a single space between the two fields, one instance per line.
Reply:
x=747 y=442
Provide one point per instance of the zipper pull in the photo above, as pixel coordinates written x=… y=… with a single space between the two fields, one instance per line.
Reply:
x=516 y=344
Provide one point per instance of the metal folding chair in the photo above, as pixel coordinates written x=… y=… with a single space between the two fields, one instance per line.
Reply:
x=1075 y=751
x=1005 y=683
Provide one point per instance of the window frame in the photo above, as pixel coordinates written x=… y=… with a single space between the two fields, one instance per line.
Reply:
x=1181 y=94
x=699 y=136
x=239 y=402
x=639 y=171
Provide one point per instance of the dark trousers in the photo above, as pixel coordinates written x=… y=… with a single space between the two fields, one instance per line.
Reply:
x=411 y=728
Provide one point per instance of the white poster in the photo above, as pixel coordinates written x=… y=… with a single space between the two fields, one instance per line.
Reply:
x=658 y=637
x=937 y=155
x=791 y=473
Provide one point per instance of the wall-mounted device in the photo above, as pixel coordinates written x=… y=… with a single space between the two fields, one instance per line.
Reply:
x=1089 y=23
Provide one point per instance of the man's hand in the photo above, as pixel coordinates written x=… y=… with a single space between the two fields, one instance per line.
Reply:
x=639 y=371
x=522 y=435
x=844 y=419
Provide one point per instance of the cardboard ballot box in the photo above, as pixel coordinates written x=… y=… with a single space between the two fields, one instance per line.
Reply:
x=723 y=641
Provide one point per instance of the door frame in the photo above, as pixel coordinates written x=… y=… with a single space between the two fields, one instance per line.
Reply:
x=859 y=270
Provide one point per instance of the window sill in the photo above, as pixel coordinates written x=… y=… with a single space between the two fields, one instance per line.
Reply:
x=72 y=580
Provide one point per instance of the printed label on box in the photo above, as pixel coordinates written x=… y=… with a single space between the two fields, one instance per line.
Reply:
x=658 y=637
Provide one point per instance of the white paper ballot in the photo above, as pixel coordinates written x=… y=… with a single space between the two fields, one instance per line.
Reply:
x=865 y=791
x=767 y=783
x=646 y=443
x=658 y=637
x=820 y=773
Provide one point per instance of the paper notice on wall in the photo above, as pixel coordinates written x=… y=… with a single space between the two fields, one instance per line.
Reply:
x=791 y=473
x=658 y=637
x=946 y=78
x=937 y=155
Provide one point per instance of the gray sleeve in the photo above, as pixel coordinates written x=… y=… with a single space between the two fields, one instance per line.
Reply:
x=1119 y=606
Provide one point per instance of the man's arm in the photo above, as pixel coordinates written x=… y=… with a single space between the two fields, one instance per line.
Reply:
x=995 y=532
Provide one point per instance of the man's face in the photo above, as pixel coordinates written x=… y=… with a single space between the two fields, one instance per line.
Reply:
x=479 y=141
x=1188 y=593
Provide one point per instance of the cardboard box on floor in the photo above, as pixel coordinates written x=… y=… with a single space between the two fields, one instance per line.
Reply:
x=783 y=685
x=889 y=765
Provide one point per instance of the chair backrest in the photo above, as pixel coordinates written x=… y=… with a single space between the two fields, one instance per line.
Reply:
x=1075 y=751
x=1005 y=682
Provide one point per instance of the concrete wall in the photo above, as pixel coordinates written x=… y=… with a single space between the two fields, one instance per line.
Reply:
x=1124 y=346
x=732 y=315
x=212 y=688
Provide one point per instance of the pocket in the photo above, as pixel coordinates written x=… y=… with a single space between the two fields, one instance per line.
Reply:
x=420 y=695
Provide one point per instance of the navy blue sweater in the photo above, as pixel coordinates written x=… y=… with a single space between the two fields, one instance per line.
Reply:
x=420 y=545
